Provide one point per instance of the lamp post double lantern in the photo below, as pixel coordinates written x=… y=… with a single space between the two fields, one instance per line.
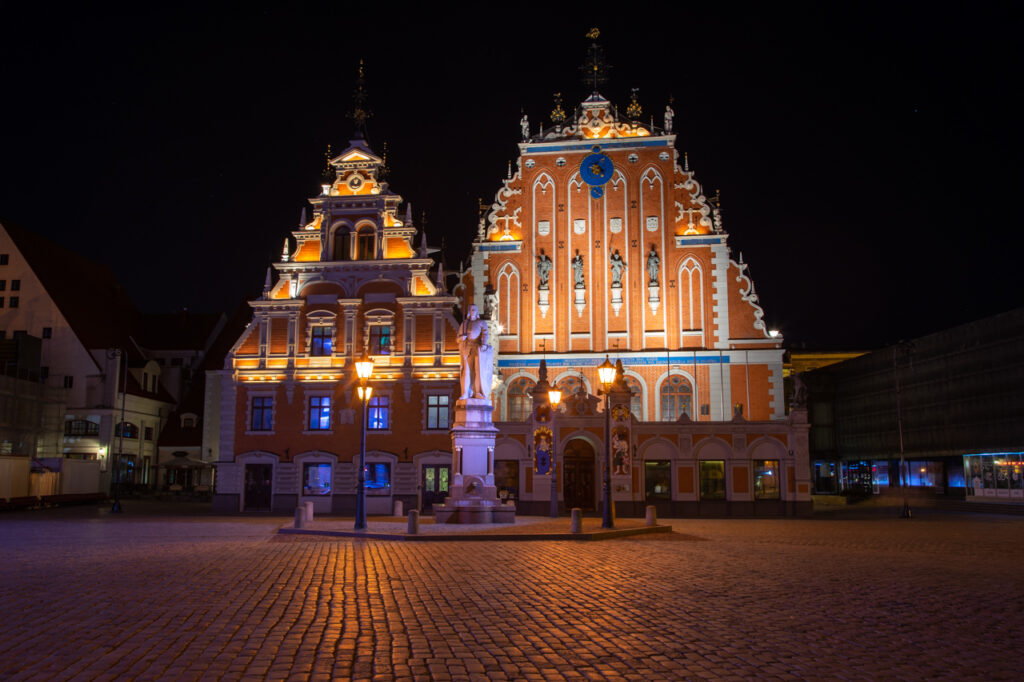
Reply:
x=364 y=369
x=554 y=397
x=606 y=374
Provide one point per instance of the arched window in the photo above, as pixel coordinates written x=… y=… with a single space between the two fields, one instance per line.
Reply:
x=676 y=398
x=570 y=386
x=520 y=399
x=128 y=429
x=342 y=244
x=636 y=401
x=364 y=244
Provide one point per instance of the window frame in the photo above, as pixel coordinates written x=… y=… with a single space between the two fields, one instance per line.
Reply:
x=678 y=398
x=267 y=410
x=719 y=493
x=435 y=409
x=315 y=423
x=376 y=397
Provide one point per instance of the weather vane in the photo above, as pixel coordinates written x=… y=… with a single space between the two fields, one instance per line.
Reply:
x=360 y=113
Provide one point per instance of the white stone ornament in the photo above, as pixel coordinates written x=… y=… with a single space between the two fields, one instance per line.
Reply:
x=615 y=225
x=579 y=226
x=543 y=227
x=652 y=223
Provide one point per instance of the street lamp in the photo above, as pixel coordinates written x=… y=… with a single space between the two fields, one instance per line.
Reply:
x=118 y=353
x=901 y=358
x=606 y=374
x=364 y=369
x=554 y=397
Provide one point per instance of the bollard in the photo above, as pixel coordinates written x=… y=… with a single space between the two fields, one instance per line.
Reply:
x=309 y=510
x=414 y=521
x=397 y=511
x=652 y=516
x=300 y=517
x=575 y=525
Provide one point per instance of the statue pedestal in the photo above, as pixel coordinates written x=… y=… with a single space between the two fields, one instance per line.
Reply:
x=616 y=298
x=472 y=497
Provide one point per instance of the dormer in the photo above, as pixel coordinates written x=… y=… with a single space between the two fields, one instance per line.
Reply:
x=356 y=171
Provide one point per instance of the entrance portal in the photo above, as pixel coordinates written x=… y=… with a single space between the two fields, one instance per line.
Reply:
x=258 y=487
x=579 y=466
x=435 y=484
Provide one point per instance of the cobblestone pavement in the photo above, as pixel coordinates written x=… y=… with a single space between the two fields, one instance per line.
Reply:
x=97 y=597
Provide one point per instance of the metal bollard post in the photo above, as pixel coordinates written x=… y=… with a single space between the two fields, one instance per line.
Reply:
x=414 y=521
x=309 y=510
x=300 y=517
x=652 y=516
x=575 y=525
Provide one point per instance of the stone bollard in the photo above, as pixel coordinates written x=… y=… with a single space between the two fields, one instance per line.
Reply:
x=397 y=511
x=414 y=521
x=300 y=516
x=576 y=524
x=309 y=510
x=652 y=516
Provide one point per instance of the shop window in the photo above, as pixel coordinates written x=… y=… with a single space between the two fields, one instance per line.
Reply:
x=380 y=339
x=379 y=411
x=766 y=479
x=316 y=478
x=320 y=341
x=506 y=478
x=320 y=413
x=676 y=398
x=520 y=399
x=262 y=414
x=658 y=479
x=712 y=479
x=378 y=478
x=126 y=430
x=437 y=411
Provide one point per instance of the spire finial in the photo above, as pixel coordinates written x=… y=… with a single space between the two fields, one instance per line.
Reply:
x=634 y=109
x=360 y=112
x=686 y=161
x=284 y=251
x=382 y=172
x=267 y=284
x=329 y=173
x=510 y=169
x=423 y=242
x=594 y=69
x=302 y=218
x=408 y=214
x=558 y=114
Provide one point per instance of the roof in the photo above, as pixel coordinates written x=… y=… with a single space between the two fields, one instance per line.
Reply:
x=87 y=294
x=183 y=330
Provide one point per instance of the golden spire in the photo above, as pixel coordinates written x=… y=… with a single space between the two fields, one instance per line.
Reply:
x=558 y=114
x=634 y=109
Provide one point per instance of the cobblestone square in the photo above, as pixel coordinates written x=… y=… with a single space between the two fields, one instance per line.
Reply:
x=90 y=596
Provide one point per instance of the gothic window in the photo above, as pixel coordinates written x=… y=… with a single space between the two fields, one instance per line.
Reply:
x=636 y=401
x=676 y=398
x=508 y=299
x=520 y=399
x=691 y=296
x=320 y=341
x=364 y=244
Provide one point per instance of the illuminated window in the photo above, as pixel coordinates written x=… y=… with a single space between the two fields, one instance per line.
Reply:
x=320 y=413
x=262 y=414
x=316 y=478
x=380 y=339
x=364 y=244
x=712 y=479
x=127 y=430
x=320 y=341
x=379 y=413
x=437 y=412
x=676 y=398
x=520 y=399
x=766 y=479
x=378 y=478
x=658 y=479
x=506 y=478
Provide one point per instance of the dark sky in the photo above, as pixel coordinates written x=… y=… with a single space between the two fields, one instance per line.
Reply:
x=868 y=158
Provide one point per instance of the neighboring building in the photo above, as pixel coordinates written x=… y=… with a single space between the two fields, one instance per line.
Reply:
x=288 y=415
x=601 y=242
x=960 y=394
x=85 y=324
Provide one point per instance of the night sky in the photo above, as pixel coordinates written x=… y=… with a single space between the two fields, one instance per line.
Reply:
x=868 y=158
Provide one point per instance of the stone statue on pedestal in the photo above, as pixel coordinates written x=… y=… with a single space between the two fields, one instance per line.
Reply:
x=617 y=265
x=476 y=356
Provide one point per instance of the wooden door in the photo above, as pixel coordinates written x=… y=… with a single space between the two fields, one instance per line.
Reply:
x=578 y=463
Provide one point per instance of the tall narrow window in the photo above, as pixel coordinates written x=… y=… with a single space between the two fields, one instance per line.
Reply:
x=676 y=398
x=320 y=413
x=380 y=339
x=712 y=479
x=379 y=413
x=342 y=244
x=262 y=414
x=437 y=412
x=520 y=399
x=320 y=341
x=364 y=244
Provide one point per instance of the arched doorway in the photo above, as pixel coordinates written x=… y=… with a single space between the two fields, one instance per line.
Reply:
x=578 y=458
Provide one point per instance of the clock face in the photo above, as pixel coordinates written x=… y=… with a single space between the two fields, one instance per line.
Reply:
x=355 y=182
x=596 y=169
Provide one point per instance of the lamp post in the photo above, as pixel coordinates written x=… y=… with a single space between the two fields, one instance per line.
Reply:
x=901 y=358
x=364 y=369
x=554 y=397
x=606 y=374
x=111 y=354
